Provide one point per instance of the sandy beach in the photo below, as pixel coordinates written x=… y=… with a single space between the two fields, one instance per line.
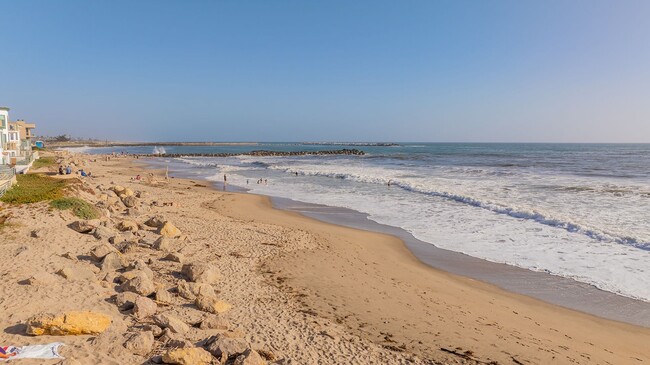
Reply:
x=301 y=291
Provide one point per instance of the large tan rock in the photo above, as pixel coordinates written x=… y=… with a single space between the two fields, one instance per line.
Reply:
x=126 y=300
x=163 y=243
x=113 y=261
x=249 y=357
x=201 y=273
x=144 y=307
x=69 y=323
x=126 y=193
x=211 y=304
x=169 y=230
x=140 y=265
x=164 y=297
x=112 y=200
x=175 y=257
x=138 y=282
x=171 y=339
x=215 y=322
x=155 y=221
x=165 y=320
x=223 y=346
x=140 y=343
x=187 y=356
x=190 y=291
x=83 y=226
x=128 y=225
x=100 y=251
x=102 y=232
x=119 y=190
x=156 y=330
x=130 y=201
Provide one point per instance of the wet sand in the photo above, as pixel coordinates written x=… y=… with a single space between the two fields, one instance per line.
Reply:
x=540 y=285
x=372 y=284
x=549 y=288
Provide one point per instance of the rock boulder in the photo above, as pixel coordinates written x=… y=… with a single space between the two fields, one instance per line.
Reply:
x=82 y=226
x=140 y=343
x=223 y=346
x=174 y=324
x=155 y=221
x=187 y=356
x=144 y=308
x=167 y=229
x=69 y=323
x=138 y=282
x=201 y=273
x=249 y=357
x=211 y=305
x=128 y=225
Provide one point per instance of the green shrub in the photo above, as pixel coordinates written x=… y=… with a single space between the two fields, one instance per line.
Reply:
x=79 y=207
x=43 y=162
x=32 y=188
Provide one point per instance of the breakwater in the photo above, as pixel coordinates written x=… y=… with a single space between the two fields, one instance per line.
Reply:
x=343 y=151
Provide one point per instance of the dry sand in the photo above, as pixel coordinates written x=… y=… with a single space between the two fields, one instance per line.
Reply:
x=306 y=291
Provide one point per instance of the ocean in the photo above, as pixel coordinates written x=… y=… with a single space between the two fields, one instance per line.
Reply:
x=580 y=211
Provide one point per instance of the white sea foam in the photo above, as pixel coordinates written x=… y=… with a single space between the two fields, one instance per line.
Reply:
x=582 y=227
x=494 y=220
x=198 y=162
x=83 y=149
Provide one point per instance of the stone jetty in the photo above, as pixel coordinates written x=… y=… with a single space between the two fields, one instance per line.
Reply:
x=343 y=151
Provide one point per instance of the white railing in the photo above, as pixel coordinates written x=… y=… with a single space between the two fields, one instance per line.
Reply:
x=6 y=178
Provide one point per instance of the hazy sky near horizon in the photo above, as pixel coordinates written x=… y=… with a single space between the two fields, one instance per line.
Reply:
x=485 y=71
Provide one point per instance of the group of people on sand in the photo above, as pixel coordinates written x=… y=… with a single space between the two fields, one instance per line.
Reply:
x=68 y=171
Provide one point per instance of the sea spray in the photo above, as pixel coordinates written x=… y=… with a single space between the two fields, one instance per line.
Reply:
x=159 y=150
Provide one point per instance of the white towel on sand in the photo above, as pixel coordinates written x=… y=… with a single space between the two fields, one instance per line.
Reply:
x=46 y=351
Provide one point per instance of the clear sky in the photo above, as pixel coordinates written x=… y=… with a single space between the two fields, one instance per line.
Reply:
x=520 y=71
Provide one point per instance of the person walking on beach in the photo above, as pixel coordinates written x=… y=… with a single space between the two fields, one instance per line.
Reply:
x=225 y=179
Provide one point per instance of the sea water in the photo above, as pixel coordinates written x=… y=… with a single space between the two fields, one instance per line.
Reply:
x=576 y=210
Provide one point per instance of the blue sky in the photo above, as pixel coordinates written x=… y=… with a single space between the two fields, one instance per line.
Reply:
x=520 y=71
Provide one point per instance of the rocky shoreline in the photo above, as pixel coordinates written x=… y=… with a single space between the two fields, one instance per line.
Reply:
x=159 y=277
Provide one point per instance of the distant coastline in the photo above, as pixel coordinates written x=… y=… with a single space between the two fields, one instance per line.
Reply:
x=131 y=144
x=96 y=143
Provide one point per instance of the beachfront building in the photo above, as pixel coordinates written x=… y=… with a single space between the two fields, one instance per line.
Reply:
x=4 y=134
x=7 y=174
x=20 y=137
x=15 y=142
